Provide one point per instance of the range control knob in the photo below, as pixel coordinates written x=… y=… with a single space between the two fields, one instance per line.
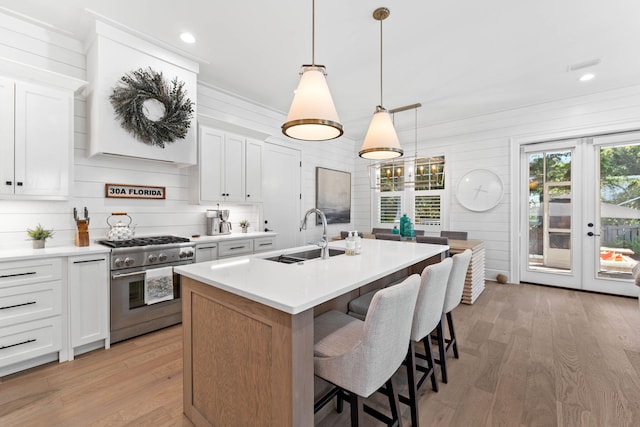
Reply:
x=189 y=253
x=162 y=257
x=182 y=254
x=128 y=262
x=152 y=258
x=118 y=262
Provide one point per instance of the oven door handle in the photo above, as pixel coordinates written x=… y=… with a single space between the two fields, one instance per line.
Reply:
x=120 y=276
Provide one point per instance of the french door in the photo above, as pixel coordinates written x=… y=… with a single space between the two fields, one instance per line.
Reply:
x=580 y=221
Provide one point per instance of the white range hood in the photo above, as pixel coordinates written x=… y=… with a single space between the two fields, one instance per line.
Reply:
x=113 y=53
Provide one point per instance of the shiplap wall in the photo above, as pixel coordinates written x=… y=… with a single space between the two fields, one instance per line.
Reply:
x=487 y=142
x=479 y=142
x=31 y=44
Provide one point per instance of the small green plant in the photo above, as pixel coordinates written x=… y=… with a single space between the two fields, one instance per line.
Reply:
x=39 y=233
x=244 y=224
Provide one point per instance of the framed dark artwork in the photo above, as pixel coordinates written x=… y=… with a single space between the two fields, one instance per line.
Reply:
x=333 y=195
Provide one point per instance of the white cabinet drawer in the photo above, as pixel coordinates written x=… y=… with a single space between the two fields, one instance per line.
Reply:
x=30 y=302
x=235 y=248
x=29 y=340
x=16 y=273
x=206 y=252
x=263 y=244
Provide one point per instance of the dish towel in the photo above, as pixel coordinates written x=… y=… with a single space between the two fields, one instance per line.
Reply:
x=158 y=285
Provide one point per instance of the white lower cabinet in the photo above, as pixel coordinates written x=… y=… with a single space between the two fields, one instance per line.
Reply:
x=233 y=248
x=31 y=313
x=206 y=251
x=88 y=281
x=27 y=341
x=52 y=308
x=263 y=244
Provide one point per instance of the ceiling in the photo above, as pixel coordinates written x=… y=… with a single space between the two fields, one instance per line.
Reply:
x=458 y=58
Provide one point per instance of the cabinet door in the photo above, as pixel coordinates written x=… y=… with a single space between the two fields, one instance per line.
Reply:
x=211 y=164
x=234 y=168
x=6 y=136
x=254 y=171
x=88 y=279
x=43 y=138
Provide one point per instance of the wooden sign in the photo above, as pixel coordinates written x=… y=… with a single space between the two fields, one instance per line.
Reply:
x=126 y=191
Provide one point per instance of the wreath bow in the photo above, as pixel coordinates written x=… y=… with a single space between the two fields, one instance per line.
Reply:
x=141 y=85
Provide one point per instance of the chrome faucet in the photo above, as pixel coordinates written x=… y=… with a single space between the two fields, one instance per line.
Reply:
x=322 y=243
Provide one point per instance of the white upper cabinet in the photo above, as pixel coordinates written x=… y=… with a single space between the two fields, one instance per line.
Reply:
x=232 y=168
x=253 y=171
x=6 y=136
x=37 y=140
x=229 y=168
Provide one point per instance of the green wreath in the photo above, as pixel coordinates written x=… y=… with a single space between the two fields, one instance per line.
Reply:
x=142 y=85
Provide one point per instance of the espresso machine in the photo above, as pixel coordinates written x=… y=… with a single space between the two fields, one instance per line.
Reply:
x=225 y=225
x=213 y=222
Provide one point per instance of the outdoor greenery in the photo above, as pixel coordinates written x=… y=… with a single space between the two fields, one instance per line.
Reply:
x=619 y=185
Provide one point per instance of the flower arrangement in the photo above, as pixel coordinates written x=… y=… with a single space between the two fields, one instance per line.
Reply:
x=244 y=224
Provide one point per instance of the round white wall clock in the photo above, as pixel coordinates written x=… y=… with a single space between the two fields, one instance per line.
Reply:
x=479 y=190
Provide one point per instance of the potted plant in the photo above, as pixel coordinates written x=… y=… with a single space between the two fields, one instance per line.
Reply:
x=244 y=225
x=39 y=235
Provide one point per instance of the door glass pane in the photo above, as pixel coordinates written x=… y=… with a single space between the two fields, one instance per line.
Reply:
x=550 y=207
x=619 y=238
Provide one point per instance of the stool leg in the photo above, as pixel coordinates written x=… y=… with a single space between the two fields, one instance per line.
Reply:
x=442 y=349
x=394 y=402
x=411 y=383
x=430 y=363
x=357 y=409
x=452 y=334
x=340 y=401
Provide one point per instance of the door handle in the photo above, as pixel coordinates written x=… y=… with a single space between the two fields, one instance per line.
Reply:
x=591 y=233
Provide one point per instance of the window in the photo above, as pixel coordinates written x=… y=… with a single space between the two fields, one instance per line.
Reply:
x=414 y=186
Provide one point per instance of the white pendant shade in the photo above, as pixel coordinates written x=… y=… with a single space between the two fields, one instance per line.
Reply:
x=381 y=141
x=312 y=115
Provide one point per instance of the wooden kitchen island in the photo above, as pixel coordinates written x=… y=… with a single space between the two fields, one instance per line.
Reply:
x=248 y=328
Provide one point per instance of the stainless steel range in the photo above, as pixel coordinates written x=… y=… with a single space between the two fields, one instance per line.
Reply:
x=131 y=261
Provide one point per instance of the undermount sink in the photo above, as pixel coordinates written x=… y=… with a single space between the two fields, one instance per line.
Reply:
x=297 y=257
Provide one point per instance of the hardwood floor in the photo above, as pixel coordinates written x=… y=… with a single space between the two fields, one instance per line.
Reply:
x=529 y=356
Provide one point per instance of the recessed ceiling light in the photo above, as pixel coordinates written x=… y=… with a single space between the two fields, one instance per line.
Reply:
x=187 y=38
x=586 y=77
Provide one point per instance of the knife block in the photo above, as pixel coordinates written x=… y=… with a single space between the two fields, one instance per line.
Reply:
x=82 y=235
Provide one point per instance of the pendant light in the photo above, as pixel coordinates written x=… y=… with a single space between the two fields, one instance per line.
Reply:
x=381 y=141
x=312 y=115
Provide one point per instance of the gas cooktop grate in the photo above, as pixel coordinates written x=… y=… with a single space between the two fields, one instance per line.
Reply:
x=144 y=241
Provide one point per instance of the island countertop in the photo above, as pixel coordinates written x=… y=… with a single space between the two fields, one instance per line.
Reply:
x=294 y=288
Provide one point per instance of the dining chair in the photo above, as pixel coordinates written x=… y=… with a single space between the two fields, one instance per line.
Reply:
x=455 y=235
x=381 y=230
x=434 y=240
x=388 y=236
x=359 y=357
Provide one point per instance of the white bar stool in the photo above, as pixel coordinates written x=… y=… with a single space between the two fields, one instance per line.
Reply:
x=358 y=357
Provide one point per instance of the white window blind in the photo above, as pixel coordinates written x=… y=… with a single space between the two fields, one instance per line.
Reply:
x=390 y=208
x=428 y=209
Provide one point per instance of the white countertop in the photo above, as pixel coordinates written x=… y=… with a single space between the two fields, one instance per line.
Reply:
x=52 y=251
x=294 y=288
x=232 y=236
